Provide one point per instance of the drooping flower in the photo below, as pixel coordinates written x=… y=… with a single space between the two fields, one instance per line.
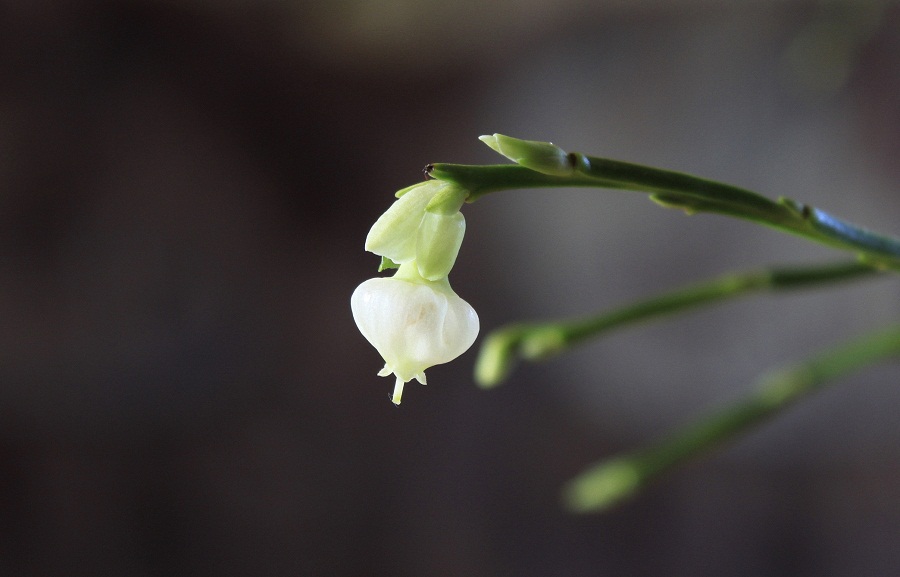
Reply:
x=414 y=323
x=414 y=319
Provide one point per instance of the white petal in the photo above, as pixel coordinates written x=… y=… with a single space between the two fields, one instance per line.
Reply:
x=413 y=325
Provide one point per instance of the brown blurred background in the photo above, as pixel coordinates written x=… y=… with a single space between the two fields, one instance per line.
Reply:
x=185 y=187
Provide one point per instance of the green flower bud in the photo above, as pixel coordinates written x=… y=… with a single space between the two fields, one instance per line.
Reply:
x=543 y=157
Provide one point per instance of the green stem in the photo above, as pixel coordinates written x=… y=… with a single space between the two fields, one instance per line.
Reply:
x=688 y=193
x=610 y=482
x=535 y=341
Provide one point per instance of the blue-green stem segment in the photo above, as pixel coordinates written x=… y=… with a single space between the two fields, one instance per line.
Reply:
x=682 y=191
x=610 y=482
x=536 y=341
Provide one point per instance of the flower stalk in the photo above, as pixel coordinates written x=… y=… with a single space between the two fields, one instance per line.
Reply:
x=542 y=340
x=671 y=189
x=610 y=482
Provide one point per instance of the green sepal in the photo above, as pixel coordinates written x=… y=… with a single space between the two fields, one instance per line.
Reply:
x=386 y=264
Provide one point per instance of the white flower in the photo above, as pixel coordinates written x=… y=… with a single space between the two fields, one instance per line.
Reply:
x=414 y=323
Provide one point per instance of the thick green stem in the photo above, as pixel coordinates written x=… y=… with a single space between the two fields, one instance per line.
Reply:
x=688 y=193
x=484 y=179
x=535 y=341
x=610 y=482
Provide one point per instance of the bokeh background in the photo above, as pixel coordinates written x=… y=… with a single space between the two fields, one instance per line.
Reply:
x=185 y=187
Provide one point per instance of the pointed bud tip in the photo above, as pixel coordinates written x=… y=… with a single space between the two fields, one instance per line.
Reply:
x=491 y=140
x=543 y=157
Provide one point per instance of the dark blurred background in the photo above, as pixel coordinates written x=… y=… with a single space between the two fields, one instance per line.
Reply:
x=185 y=187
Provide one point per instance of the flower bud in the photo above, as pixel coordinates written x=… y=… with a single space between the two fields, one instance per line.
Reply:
x=413 y=323
x=543 y=157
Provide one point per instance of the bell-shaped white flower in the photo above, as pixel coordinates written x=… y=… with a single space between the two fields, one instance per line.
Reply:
x=413 y=323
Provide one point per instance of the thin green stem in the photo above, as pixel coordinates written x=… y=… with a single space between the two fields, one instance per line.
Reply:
x=610 y=482
x=688 y=193
x=536 y=341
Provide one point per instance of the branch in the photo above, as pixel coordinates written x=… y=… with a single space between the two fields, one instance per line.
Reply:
x=613 y=481
x=678 y=190
x=537 y=341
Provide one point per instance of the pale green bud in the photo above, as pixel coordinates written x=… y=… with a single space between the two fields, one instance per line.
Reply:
x=413 y=323
x=543 y=157
x=603 y=486
x=497 y=357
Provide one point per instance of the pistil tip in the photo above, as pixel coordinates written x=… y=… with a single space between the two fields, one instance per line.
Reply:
x=398 y=391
